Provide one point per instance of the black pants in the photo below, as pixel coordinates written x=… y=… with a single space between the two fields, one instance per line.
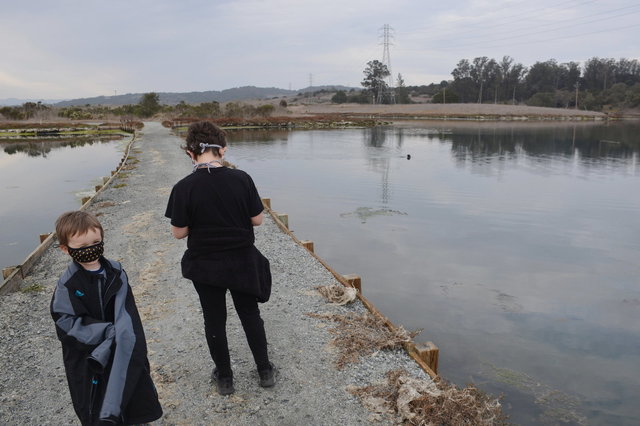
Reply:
x=214 y=311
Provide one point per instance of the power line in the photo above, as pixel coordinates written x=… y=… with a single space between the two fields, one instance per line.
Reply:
x=386 y=54
x=386 y=60
x=503 y=20
x=562 y=37
x=488 y=43
x=511 y=36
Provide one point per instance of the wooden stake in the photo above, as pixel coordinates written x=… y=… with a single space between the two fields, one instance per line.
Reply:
x=355 y=281
x=8 y=271
x=307 y=244
x=284 y=218
x=429 y=352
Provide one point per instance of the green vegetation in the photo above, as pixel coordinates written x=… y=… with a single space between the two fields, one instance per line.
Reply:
x=443 y=97
x=340 y=97
x=402 y=93
x=26 y=111
x=149 y=105
x=16 y=130
x=374 y=82
x=599 y=84
x=33 y=288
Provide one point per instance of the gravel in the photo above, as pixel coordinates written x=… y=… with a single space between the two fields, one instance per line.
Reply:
x=309 y=388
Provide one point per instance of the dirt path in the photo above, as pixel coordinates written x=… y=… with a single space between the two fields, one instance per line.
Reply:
x=310 y=389
x=438 y=110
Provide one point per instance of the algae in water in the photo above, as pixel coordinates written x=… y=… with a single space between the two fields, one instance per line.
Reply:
x=364 y=213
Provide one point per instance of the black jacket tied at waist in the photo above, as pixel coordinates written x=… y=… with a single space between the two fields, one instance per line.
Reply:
x=226 y=257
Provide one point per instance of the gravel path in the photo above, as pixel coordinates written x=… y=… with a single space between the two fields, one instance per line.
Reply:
x=310 y=390
x=426 y=110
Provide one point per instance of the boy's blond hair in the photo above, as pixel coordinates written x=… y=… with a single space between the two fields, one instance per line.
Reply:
x=75 y=222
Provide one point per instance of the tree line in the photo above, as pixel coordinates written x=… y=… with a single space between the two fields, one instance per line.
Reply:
x=148 y=106
x=598 y=84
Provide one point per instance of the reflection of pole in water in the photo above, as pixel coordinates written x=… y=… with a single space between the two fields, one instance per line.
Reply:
x=399 y=137
x=385 y=182
x=376 y=139
x=43 y=150
x=382 y=165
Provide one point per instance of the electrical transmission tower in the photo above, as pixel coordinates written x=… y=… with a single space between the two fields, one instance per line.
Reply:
x=386 y=60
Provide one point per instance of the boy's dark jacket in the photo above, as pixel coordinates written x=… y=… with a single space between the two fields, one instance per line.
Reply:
x=103 y=347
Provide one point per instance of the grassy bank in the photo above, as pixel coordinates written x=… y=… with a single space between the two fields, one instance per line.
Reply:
x=17 y=131
x=320 y=121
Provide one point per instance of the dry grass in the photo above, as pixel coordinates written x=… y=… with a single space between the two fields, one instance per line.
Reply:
x=314 y=120
x=359 y=335
x=438 y=110
x=338 y=294
x=416 y=401
x=422 y=402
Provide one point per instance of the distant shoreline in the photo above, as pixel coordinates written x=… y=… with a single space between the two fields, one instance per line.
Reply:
x=448 y=111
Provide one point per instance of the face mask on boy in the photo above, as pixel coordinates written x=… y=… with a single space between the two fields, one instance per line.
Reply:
x=87 y=254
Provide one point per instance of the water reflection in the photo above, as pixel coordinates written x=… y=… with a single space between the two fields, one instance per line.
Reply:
x=375 y=136
x=587 y=140
x=42 y=148
x=253 y=135
x=257 y=135
x=40 y=180
x=389 y=141
x=514 y=247
x=565 y=142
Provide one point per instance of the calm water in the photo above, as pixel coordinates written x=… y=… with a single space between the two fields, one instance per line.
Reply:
x=515 y=248
x=40 y=180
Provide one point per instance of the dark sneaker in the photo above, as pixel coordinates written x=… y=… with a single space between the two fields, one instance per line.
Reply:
x=267 y=377
x=224 y=384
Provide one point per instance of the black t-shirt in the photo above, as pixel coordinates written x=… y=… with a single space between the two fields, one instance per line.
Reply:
x=217 y=206
x=214 y=198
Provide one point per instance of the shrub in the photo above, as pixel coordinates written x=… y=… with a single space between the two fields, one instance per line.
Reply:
x=340 y=97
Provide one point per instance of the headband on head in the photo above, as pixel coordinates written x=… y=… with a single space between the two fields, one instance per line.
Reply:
x=204 y=146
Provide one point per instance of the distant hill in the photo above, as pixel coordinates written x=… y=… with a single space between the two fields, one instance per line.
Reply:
x=170 y=98
x=17 y=102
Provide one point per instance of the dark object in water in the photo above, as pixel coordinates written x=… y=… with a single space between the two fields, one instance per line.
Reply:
x=408 y=156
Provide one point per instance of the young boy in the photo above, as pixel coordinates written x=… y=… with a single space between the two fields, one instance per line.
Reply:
x=103 y=344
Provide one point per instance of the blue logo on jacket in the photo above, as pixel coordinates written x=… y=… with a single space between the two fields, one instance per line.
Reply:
x=79 y=293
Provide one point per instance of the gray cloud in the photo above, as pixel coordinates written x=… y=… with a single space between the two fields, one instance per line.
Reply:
x=70 y=49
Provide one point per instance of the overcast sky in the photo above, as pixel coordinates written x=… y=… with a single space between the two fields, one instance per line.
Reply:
x=67 y=49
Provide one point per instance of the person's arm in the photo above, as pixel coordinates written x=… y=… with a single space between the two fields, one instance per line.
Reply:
x=257 y=220
x=179 y=233
x=81 y=331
